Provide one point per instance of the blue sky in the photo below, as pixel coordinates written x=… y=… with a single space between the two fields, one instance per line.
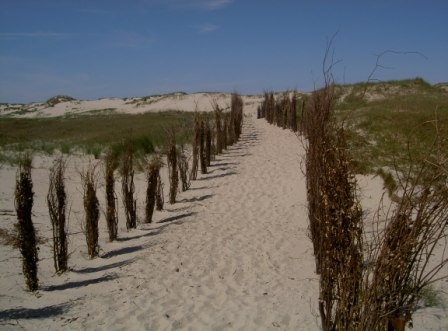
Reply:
x=91 y=49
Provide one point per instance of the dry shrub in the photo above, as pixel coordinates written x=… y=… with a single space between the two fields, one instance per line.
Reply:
x=267 y=108
x=225 y=131
x=384 y=291
x=151 y=190
x=195 y=146
x=399 y=271
x=182 y=164
x=318 y=139
x=219 y=130
x=57 y=205
x=111 y=198
x=172 y=165
x=339 y=240
x=335 y=216
x=202 y=156
x=127 y=185
x=159 y=194
x=236 y=117
x=292 y=119
x=26 y=235
x=208 y=143
x=213 y=149
x=91 y=209
x=259 y=112
x=281 y=112
x=302 y=127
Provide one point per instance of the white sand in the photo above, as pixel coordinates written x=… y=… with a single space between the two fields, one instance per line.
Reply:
x=175 y=102
x=232 y=254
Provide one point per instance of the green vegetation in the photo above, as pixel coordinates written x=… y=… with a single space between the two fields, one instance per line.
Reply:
x=58 y=99
x=93 y=133
x=156 y=97
x=429 y=297
x=393 y=124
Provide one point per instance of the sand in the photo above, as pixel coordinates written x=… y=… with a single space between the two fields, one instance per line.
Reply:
x=232 y=254
x=174 y=102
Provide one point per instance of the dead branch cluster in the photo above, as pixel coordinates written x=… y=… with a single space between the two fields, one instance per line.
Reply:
x=92 y=211
x=208 y=141
x=368 y=282
x=127 y=185
x=111 y=164
x=57 y=205
x=281 y=111
x=26 y=235
x=153 y=177
x=335 y=216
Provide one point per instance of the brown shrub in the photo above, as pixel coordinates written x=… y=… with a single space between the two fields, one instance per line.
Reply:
x=92 y=212
x=26 y=235
x=57 y=204
x=208 y=143
x=219 y=129
x=111 y=198
x=159 y=194
x=127 y=185
x=202 y=156
x=182 y=164
x=236 y=117
x=151 y=190
x=172 y=165
x=195 y=146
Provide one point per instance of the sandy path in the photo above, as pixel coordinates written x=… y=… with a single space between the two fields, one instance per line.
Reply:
x=235 y=257
x=232 y=254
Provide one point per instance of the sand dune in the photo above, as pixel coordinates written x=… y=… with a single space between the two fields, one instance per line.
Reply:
x=175 y=101
x=232 y=254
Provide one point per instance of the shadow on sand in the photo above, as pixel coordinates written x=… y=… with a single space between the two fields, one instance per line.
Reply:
x=31 y=313
x=173 y=219
x=104 y=267
x=81 y=283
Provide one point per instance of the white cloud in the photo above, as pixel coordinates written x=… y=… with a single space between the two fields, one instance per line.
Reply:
x=206 y=28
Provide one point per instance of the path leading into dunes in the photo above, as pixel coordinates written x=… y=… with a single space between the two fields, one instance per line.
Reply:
x=241 y=258
x=232 y=254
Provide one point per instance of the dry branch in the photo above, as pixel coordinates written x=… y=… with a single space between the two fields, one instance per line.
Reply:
x=26 y=235
x=92 y=212
x=57 y=205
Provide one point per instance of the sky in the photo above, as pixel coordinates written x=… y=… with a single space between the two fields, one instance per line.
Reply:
x=91 y=49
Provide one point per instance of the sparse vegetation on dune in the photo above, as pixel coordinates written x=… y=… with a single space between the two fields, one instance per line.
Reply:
x=58 y=99
x=393 y=124
x=91 y=134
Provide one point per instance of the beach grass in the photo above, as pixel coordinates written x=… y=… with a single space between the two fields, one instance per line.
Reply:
x=92 y=134
x=393 y=125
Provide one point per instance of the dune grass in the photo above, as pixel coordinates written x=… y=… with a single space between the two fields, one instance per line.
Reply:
x=398 y=123
x=92 y=133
